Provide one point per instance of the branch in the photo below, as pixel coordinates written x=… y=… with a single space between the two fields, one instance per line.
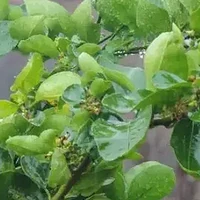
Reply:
x=135 y=50
x=168 y=122
x=111 y=36
x=65 y=189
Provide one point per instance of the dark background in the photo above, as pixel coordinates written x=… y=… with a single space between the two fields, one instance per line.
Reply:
x=157 y=146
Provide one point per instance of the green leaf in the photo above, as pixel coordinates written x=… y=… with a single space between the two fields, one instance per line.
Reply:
x=161 y=97
x=87 y=63
x=38 y=119
x=98 y=197
x=167 y=53
x=85 y=27
x=80 y=120
x=91 y=182
x=193 y=58
x=6 y=162
x=135 y=74
x=15 y=12
x=108 y=14
x=177 y=12
x=35 y=170
x=7 y=42
x=7 y=108
x=60 y=173
x=74 y=93
x=99 y=87
x=30 y=75
x=164 y=80
x=4 y=9
x=175 y=61
x=57 y=17
x=119 y=78
x=19 y=186
x=195 y=117
x=194 y=20
x=187 y=150
x=190 y=5
x=115 y=139
x=32 y=145
x=152 y=18
x=56 y=120
x=89 y=48
x=41 y=44
x=117 y=13
x=7 y=130
x=62 y=44
x=26 y=26
x=118 y=103
x=54 y=86
x=150 y=180
x=116 y=190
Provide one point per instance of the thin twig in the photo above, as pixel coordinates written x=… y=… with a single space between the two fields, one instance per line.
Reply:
x=111 y=36
x=65 y=189
x=105 y=39
x=135 y=50
x=99 y=20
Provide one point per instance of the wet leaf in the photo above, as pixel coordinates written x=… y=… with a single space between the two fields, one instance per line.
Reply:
x=190 y=5
x=80 y=120
x=150 y=180
x=85 y=27
x=60 y=173
x=15 y=12
x=87 y=63
x=91 y=182
x=195 y=116
x=32 y=145
x=6 y=162
x=135 y=74
x=89 y=48
x=164 y=80
x=41 y=44
x=117 y=13
x=119 y=78
x=26 y=26
x=74 y=94
x=167 y=53
x=7 y=42
x=7 y=108
x=118 y=103
x=194 y=19
x=116 y=190
x=193 y=58
x=30 y=75
x=4 y=9
x=54 y=86
x=57 y=17
x=99 y=87
x=152 y=18
x=115 y=139
x=19 y=186
x=35 y=170
x=185 y=142
x=53 y=120
x=7 y=130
